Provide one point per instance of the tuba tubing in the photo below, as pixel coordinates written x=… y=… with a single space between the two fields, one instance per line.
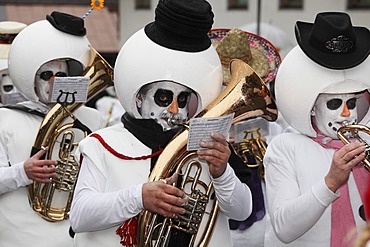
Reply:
x=40 y=195
x=246 y=96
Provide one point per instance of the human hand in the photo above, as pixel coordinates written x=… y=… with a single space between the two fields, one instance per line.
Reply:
x=216 y=154
x=343 y=161
x=163 y=198
x=39 y=170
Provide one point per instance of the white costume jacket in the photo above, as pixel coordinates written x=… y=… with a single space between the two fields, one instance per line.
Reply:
x=20 y=225
x=108 y=191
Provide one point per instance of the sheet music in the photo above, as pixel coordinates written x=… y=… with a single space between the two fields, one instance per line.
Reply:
x=202 y=128
x=68 y=88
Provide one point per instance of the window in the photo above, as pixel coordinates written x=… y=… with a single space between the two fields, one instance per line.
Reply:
x=237 y=4
x=358 y=4
x=142 y=4
x=291 y=4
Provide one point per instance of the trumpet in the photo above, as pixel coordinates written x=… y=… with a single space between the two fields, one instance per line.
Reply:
x=352 y=131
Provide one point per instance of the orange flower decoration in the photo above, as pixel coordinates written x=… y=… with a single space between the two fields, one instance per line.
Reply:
x=97 y=4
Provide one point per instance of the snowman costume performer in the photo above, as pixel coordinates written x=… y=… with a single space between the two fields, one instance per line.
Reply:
x=310 y=174
x=158 y=73
x=41 y=49
x=8 y=93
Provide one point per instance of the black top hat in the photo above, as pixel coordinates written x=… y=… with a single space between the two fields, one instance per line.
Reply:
x=67 y=23
x=332 y=41
x=181 y=25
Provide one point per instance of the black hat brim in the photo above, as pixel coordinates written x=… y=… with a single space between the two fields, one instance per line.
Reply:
x=330 y=59
x=67 y=23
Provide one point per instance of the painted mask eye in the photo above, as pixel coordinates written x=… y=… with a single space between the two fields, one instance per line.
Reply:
x=182 y=99
x=46 y=75
x=334 y=104
x=351 y=103
x=163 y=97
x=8 y=88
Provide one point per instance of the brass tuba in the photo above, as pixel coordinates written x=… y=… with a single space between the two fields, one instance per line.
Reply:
x=52 y=201
x=352 y=131
x=246 y=96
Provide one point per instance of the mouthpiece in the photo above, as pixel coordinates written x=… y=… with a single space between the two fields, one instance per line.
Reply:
x=175 y=121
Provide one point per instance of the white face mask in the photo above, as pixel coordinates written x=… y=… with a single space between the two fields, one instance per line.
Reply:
x=8 y=92
x=164 y=101
x=44 y=77
x=331 y=110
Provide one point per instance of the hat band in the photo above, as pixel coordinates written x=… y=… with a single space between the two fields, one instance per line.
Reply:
x=339 y=44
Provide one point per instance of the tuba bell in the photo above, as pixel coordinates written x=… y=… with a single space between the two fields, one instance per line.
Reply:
x=246 y=96
x=52 y=201
x=352 y=131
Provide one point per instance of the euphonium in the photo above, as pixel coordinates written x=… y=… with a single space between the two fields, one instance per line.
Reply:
x=246 y=96
x=53 y=200
x=351 y=131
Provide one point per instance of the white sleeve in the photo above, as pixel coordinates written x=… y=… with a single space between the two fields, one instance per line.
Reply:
x=93 y=209
x=286 y=204
x=234 y=197
x=11 y=177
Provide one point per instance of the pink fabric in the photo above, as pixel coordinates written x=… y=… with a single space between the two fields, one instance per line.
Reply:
x=367 y=202
x=342 y=217
x=327 y=142
x=342 y=220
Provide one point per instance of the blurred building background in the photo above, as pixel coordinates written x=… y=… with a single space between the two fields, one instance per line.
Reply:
x=109 y=28
x=272 y=19
x=102 y=26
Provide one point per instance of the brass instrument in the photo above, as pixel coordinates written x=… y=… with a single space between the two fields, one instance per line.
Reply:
x=350 y=131
x=53 y=200
x=246 y=96
x=252 y=144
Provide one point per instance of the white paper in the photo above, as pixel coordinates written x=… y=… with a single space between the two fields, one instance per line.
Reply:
x=202 y=128
x=69 y=89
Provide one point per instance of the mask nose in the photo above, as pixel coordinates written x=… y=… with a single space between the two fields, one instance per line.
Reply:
x=345 y=112
x=174 y=107
x=51 y=79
